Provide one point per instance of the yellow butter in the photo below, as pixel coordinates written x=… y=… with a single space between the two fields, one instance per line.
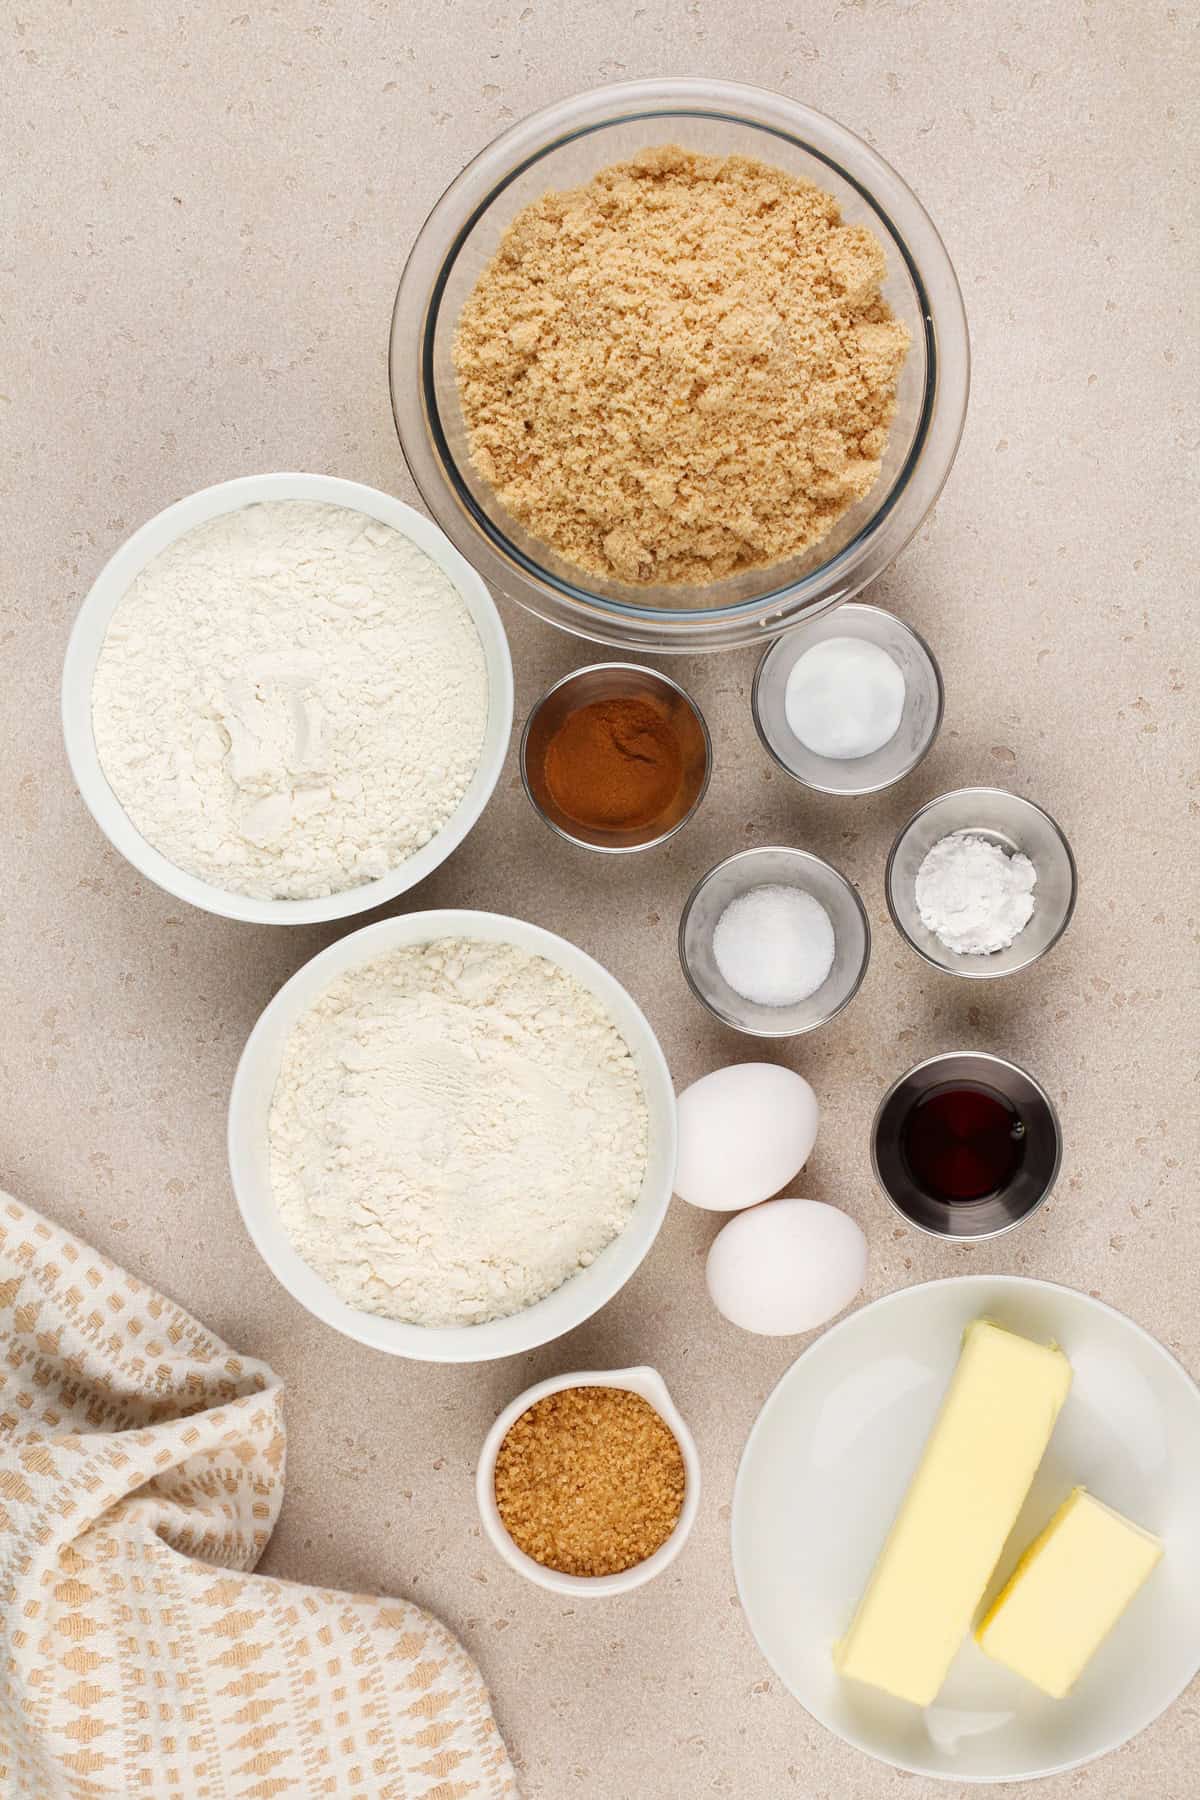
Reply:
x=1067 y=1592
x=972 y=1480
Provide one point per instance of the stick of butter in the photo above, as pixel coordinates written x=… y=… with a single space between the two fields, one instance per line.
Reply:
x=1067 y=1592
x=963 y=1501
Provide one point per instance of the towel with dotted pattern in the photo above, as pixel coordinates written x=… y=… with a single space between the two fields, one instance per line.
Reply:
x=141 y=1473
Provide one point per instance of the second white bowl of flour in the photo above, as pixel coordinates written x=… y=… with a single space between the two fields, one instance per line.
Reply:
x=287 y=698
x=452 y=1136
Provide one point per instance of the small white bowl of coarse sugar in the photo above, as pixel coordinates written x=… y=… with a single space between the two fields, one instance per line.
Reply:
x=287 y=698
x=589 y=1484
x=774 y=941
x=848 y=703
x=981 y=883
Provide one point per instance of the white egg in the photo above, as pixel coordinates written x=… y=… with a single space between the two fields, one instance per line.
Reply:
x=786 y=1267
x=744 y=1132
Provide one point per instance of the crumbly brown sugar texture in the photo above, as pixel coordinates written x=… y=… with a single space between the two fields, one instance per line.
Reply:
x=590 y=1481
x=682 y=370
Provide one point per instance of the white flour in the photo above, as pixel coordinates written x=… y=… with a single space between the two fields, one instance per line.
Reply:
x=973 y=895
x=290 y=700
x=456 y=1129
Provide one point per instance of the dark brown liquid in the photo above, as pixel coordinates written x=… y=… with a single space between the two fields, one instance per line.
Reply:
x=962 y=1141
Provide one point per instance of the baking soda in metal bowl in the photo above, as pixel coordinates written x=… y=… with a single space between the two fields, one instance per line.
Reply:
x=845 y=698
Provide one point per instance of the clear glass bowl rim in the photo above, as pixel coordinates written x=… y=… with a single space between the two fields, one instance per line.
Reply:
x=573 y=607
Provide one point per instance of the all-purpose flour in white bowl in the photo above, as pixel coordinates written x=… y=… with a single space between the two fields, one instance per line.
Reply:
x=499 y=1052
x=457 y=1129
x=287 y=698
x=290 y=699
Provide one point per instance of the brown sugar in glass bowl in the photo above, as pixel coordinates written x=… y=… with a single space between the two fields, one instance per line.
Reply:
x=563 y=147
x=682 y=369
x=590 y=1481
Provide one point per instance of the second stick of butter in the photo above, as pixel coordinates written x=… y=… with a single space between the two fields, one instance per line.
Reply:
x=975 y=1472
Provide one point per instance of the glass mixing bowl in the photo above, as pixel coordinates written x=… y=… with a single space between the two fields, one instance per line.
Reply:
x=563 y=146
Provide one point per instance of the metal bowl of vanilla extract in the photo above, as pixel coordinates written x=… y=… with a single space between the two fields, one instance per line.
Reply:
x=966 y=1145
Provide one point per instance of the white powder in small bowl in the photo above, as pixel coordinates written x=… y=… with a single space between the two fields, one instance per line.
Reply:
x=774 y=945
x=973 y=895
x=845 y=698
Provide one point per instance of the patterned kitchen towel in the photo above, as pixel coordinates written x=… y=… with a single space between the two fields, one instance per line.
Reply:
x=141 y=1472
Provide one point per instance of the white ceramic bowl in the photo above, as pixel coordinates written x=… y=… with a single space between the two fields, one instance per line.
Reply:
x=651 y=1386
x=87 y=639
x=827 y=1463
x=249 y=1162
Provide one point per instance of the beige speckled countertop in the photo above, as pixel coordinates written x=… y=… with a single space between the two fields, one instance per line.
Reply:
x=207 y=209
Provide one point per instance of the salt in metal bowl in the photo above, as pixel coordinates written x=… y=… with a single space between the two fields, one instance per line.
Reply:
x=737 y=875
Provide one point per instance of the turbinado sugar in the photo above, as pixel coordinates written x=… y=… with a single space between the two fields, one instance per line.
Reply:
x=590 y=1481
x=682 y=370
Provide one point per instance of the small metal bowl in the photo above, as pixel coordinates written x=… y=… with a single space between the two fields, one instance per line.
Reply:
x=616 y=681
x=789 y=868
x=1015 y=824
x=920 y=721
x=995 y=1213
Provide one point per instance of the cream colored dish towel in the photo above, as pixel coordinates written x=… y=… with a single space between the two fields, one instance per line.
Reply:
x=141 y=1473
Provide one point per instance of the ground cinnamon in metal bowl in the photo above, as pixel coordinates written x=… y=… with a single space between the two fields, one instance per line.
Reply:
x=590 y=1481
x=684 y=369
x=615 y=764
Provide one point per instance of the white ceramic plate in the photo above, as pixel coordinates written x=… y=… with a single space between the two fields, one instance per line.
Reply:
x=249 y=1154
x=87 y=640
x=829 y=1459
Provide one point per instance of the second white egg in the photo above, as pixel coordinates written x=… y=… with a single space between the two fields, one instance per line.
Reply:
x=786 y=1267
